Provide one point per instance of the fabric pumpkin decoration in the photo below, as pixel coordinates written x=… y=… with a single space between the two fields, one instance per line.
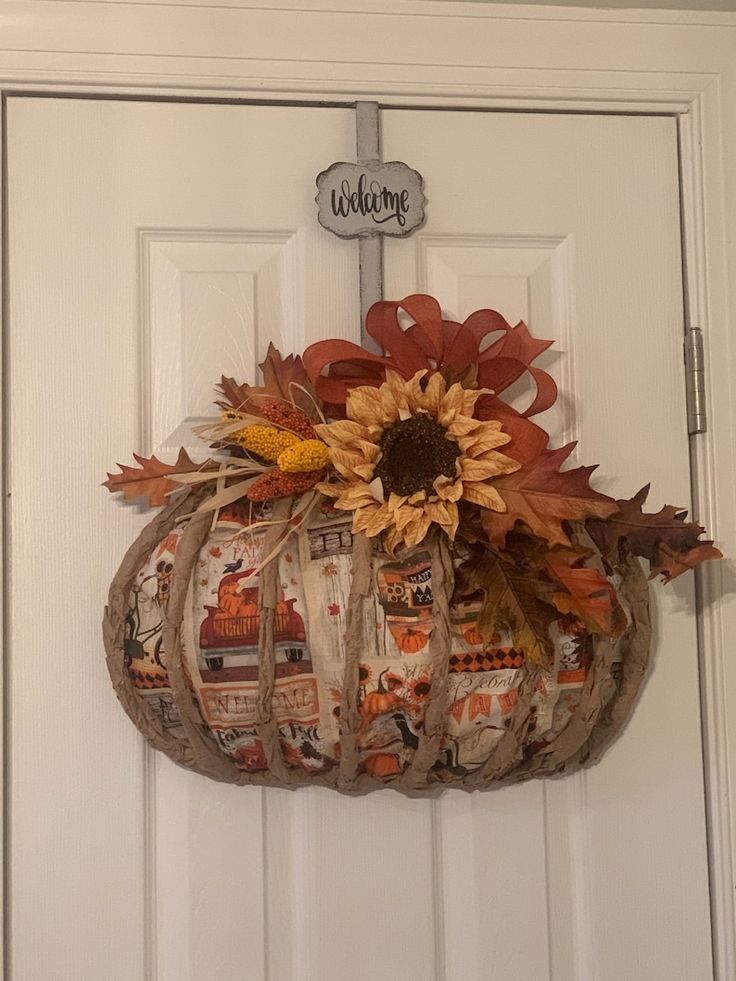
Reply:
x=384 y=576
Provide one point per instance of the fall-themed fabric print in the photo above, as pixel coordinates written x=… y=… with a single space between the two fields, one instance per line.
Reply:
x=145 y=658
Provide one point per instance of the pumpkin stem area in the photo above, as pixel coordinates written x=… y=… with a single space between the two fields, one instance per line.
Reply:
x=415 y=452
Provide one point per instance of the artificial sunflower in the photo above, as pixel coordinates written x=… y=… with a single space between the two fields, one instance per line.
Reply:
x=407 y=452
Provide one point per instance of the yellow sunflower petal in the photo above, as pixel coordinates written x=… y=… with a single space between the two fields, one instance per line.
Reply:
x=345 y=460
x=395 y=501
x=450 y=405
x=365 y=406
x=448 y=489
x=403 y=517
x=492 y=465
x=393 y=397
x=445 y=514
x=511 y=465
x=393 y=386
x=417 y=529
x=414 y=393
x=355 y=496
x=433 y=394
x=460 y=426
x=329 y=490
x=484 y=495
x=363 y=517
x=380 y=521
x=376 y=489
x=470 y=397
x=370 y=450
x=365 y=470
x=392 y=539
x=438 y=512
x=342 y=433
x=451 y=529
x=394 y=380
x=481 y=440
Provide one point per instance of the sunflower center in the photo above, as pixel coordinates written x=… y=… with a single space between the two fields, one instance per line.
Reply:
x=415 y=452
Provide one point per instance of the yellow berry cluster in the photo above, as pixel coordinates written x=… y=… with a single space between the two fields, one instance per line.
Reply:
x=299 y=459
x=304 y=456
x=266 y=441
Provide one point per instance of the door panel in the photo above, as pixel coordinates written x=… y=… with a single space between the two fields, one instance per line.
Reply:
x=154 y=247
x=147 y=239
x=572 y=224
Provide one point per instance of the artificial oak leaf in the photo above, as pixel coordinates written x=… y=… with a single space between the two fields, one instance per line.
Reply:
x=151 y=478
x=588 y=595
x=670 y=544
x=669 y=563
x=542 y=496
x=236 y=395
x=512 y=602
x=284 y=379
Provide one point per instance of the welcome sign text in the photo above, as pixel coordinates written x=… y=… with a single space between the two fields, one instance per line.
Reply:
x=369 y=199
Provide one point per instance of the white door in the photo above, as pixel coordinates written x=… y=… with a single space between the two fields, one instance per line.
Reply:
x=153 y=247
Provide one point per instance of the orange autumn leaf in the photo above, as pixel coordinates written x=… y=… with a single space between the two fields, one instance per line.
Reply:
x=670 y=564
x=151 y=478
x=588 y=595
x=542 y=496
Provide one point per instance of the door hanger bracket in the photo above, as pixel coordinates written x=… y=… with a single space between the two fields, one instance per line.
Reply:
x=367 y=200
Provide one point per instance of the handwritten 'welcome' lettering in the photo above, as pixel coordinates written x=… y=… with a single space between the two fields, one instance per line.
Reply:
x=374 y=201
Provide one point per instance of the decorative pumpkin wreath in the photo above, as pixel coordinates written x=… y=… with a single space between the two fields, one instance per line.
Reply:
x=383 y=576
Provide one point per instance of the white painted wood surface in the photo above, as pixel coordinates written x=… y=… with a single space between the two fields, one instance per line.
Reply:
x=204 y=209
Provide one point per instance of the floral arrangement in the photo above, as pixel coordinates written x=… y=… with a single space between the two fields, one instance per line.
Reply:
x=418 y=441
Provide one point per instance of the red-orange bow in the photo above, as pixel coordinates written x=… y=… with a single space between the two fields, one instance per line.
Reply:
x=433 y=344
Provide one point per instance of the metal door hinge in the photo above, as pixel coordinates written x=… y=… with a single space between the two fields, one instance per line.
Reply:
x=695 y=381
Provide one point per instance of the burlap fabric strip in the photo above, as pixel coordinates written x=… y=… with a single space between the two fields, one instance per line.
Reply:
x=113 y=632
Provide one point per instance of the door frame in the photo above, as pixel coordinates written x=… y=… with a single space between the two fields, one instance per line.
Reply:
x=431 y=53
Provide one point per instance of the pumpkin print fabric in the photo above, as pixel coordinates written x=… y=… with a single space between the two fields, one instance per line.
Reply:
x=304 y=611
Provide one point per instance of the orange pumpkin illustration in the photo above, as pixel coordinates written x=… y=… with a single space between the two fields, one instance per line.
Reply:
x=411 y=641
x=379 y=702
x=382 y=764
x=472 y=636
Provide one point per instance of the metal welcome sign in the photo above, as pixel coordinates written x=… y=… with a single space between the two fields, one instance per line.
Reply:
x=368 y=199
